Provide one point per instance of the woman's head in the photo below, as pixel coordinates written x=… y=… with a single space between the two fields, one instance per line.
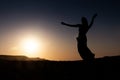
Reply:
x=84 y=21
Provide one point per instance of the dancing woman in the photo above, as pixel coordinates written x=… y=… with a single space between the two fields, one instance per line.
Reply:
x=83 y=50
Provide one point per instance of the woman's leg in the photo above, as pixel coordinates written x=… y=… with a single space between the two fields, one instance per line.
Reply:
x=83 y=50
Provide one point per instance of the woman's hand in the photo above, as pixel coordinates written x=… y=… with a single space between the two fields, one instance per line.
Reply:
x=94 y=16
x=63 y=23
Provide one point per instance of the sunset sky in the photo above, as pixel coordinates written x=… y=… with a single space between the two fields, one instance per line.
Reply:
x=37 y=24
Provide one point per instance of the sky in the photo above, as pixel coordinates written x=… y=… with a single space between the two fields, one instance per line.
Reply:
x=40 y=21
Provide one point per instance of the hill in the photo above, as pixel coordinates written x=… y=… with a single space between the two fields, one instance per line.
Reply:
x=99 y=69
x=18 y=58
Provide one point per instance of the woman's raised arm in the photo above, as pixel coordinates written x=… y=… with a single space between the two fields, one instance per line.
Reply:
x=94 y=16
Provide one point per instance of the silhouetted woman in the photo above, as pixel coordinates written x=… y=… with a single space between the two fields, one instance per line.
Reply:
x=83 y=50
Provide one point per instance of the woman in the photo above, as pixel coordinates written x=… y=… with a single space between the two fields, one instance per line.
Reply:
x=83 y=50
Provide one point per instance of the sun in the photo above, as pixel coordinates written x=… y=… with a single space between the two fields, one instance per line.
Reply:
x=30 y=47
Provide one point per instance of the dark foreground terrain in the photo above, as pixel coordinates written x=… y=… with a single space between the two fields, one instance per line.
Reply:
x=22 y=68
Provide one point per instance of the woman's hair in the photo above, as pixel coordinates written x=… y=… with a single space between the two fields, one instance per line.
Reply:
x=84 y=21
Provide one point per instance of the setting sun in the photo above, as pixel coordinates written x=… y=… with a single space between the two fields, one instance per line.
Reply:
x=30 y=47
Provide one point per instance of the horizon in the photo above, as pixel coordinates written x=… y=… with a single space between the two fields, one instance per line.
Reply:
x=26 y=58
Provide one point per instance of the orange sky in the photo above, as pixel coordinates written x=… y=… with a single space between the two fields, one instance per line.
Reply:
x=52 y=46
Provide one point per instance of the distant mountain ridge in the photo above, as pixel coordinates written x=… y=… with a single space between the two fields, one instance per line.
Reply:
x=18 y=58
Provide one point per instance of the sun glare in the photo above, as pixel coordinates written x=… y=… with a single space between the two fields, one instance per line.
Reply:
x=30 y=47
